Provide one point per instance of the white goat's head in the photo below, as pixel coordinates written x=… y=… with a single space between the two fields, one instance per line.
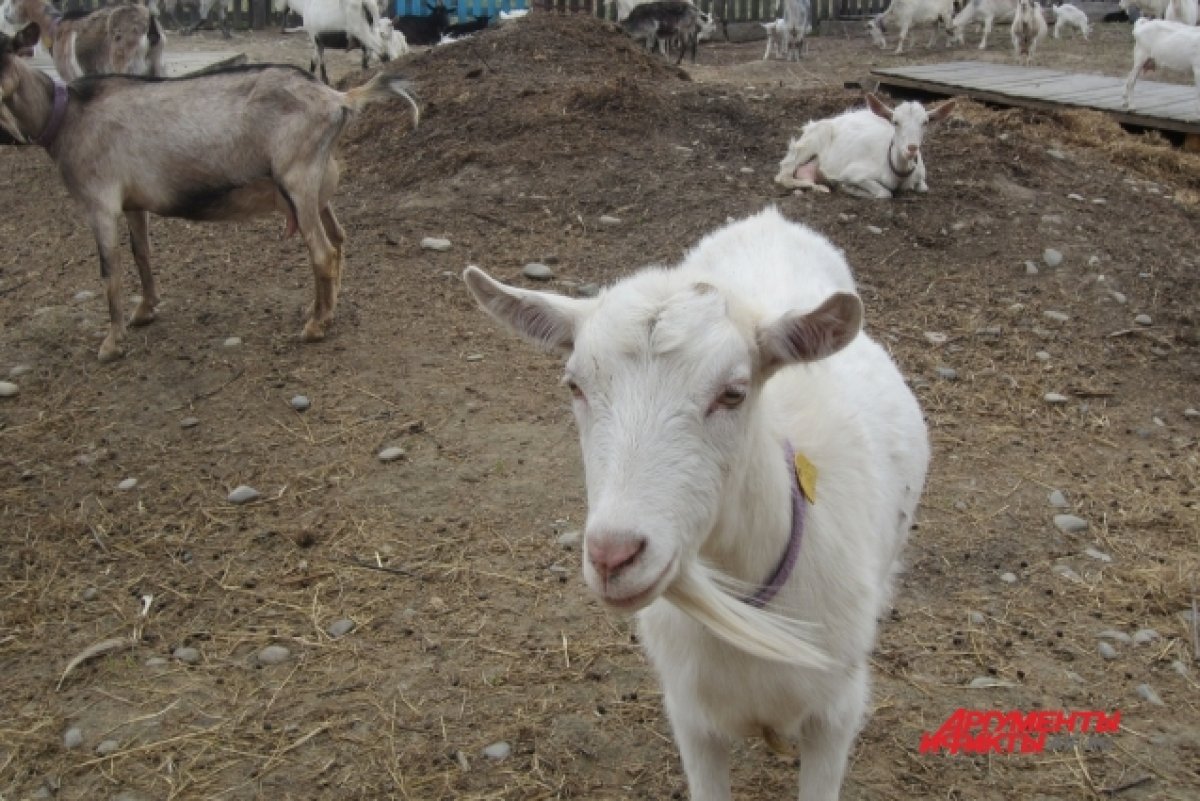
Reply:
x=909 y=119
x=876 y=28
x=394 y=43
x=666 y=375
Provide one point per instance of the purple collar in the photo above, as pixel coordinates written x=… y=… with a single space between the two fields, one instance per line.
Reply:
x=892 y=164
x=50 y=132
x=787 y=562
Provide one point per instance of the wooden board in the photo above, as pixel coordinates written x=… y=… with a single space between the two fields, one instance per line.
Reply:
x=1165 y=106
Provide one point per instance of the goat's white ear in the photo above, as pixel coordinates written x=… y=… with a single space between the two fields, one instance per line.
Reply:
x=545 y=319
x=796 y=338
x=880 y=108
x=943 y=111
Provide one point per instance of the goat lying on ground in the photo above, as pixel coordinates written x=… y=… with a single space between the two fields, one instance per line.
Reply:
x=427 y=30
x=986 y=11
x=225 y=145
x=205 y=7
x=662 y=21
x=1068 y=15
x=124 y=39
x=872 y=152
x=906 y=13
x=1028 y=28
x=740 y=431
x=1166 y=45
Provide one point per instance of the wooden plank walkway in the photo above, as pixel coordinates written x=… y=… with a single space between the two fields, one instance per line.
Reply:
x=177 y=64
x=1165 y=106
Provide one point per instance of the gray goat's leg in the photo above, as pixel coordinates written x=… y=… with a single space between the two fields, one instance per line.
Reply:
x=104 y=226
x=322 y=253
x=337 y=237
x=224 y=22
x=139 y=242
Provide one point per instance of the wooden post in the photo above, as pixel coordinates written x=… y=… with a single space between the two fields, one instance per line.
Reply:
x=258 y=14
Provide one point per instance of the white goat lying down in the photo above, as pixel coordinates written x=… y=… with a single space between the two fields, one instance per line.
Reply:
x=224 y=145
x=870 y=152
x=701 y=392
x=903 y=14
x=1169 y=45
x=1028 y=28
x=1067 y=15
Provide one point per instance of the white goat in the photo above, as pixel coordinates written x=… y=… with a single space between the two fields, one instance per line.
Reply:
x=1069 y=15
x=699 y=390
x=1185 y=11
x=871 y=152
x=355 y=18
x=985 y=11
x=1028 y=28
x=1169 y=45
x=796 y=20
x=905 y=14
x=1150 y=8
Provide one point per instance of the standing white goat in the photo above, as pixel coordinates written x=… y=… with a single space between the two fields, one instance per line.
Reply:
x=1028 y=28
x=1169 y=45
x=354 y=18
x=698 y=390
x=906 y=13
x=870 y=152
x=1069 y=15
x=989 y=11
x=1185 y=11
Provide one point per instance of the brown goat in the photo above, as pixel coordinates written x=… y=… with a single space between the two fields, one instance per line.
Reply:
x=226 y=145
x=123 y=39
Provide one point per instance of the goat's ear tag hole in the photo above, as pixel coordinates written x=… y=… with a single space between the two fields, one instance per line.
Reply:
x=806 y=472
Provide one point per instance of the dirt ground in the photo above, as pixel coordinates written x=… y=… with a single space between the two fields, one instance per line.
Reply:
x=472 y=626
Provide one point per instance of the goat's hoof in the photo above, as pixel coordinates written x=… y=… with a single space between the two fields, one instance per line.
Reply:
x=143 y=317
x=313 y=331
x=110 y=352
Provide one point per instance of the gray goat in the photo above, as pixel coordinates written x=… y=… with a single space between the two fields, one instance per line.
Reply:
x=664 y=21
x=226 y=145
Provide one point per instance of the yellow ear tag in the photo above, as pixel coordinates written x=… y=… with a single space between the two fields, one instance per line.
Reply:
x=806 y=472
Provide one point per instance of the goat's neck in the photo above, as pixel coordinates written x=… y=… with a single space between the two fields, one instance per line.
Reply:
x=755 y=519
x=32 y=102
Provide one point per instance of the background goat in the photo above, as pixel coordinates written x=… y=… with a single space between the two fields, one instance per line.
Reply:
x=353 y=19
x=1068 y=15
x=986 y=11
x=226 y=145
x=124 y=39
x=1185 y=11
x=1028 y=28
x=906 y=13
x=1144 y=8
x=662 y=21
x=1169 y=45
x=204 y=9
x=871 y=152
x=427 y=30
x=693 y=387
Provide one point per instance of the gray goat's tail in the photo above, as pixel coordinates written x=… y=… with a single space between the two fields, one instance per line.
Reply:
x=380 y=87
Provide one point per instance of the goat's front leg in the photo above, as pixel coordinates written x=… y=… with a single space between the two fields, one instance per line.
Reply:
x=705 y=758
x=104 y=227
x=867 y=187
x=139 y=242
x=987 y=28
x=826 y=741
x=903 y=35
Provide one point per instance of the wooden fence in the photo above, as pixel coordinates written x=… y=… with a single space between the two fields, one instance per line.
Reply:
x=259 y=14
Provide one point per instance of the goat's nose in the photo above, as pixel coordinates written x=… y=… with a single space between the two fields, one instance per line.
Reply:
x=612 y=553
x=912 y=149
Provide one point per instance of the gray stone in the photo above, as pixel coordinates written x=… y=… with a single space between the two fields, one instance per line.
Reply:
x=273 y=655
x=947 y=373
x=107 y=747
x=73 y=737
x=390 y=454
x=1191 y=413
x=83 y=296
x=1052 y=257
x=537 y=271
x=20 y=370
x=435 y=243
x=186 y=654
x=8 y=389
x=498 y=751
x=89 y=594
x=1056 y=316
x=587 y=290
x=244 y=494
x=935 y=337
x=875 y=229
x=988 y=682
x=1145 y=636
x=340 y=628
x=1098 y=555
x=1031 y=268
x=128 y=484
x=1055 y=398
x=1058 y=500
x=189 y=422
x=474 y=357
x=608 y=219
x=1042 y=356
x=569 y=539
x=1179 y=667
x=232 y=342
x=1075 y=196
x=1056 y=154
x=155 y=661
x=1067 y=572
x=1143 y=319
x=1106 y=651
x=1070 y=524
x=976 y=618
x=1115 y=636
x=1008 y=578
x=1119 y=297
x=301 y=403
x=1147 y=693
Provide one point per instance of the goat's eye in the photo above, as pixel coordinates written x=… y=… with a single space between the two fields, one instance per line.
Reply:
x=575 y=390
x=731 y=397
